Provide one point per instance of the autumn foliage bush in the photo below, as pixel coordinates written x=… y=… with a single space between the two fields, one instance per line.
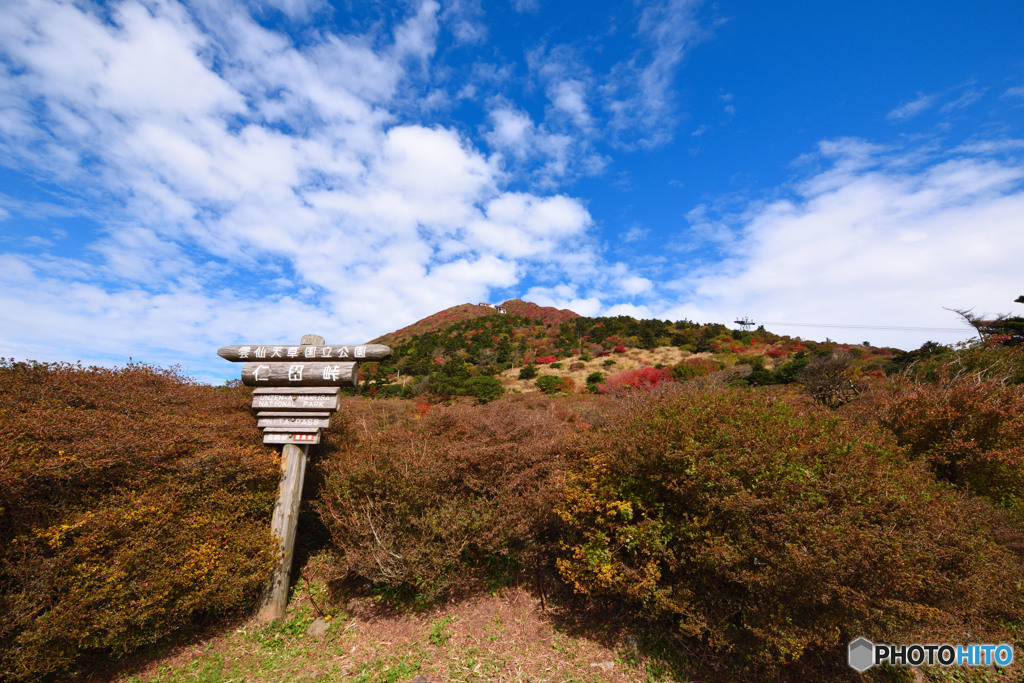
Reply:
x=643 y=379
x=554 y=384
x=429 y=506
x=131 y=501
x=775 y=533
x=691 y=368
x=968 y=425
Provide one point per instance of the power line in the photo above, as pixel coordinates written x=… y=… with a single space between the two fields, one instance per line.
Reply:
x=871 y=327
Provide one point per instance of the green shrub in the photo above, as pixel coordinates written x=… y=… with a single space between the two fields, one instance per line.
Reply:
x=427 y=505
x=790 y=371
x=484 y=389
x=131 y=501
x=692 y=368
x=552 y=384
x=595 y=378
x=528 y=372
x=782 y=375
x=776 y=534
x=390 y=391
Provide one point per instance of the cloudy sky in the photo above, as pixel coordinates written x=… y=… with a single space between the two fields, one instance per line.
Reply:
x=179 y=176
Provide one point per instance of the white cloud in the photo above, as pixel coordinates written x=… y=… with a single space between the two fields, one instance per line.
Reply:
x=416 y=38
x=565 y=296
x=639 y=92
x=464 y=20
x=881 y=238
x=511 y=131
x=969 y=97
x=909 y=110
x=1016 y=91
x=569 y=96
x=632 y=310
x=548 y=156
x=635 y=234
x=270 y=196
x=297 y=9
x=635 y=285
x=147 y=63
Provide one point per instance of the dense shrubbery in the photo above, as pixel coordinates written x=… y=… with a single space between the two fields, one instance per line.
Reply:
x=554 y=384
x=775 y=534
x=429 y=504
x=968 y=425
x=830 y=379
x=769 y=529
x=935 y=363
x=643 y=379
x=691 y=368
x=131 y=501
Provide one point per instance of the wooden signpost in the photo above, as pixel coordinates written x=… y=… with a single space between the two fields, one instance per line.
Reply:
x=296 y=388
x=296 y=399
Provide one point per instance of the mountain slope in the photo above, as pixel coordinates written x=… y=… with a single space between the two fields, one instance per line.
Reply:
x=464 y=312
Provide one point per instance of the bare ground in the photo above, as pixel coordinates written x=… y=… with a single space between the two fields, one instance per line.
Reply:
x=505 y=636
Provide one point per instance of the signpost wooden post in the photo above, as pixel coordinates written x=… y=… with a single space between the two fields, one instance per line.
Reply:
x=296 y=390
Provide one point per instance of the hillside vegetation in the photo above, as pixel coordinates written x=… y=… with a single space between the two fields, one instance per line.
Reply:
x=717 y=505
x=472 y=350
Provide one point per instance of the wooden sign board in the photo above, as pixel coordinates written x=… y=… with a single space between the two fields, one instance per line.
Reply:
x=296 y=402
x=275 y=418
x=299 y=374
x=289 y=422
x=297 y=438
x=334 y=391
x=304 y=354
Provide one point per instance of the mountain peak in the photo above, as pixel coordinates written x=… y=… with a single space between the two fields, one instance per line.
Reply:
x=462 y=312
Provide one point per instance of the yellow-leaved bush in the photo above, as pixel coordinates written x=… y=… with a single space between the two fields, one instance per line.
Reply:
x=132 y=501
x=774 y=532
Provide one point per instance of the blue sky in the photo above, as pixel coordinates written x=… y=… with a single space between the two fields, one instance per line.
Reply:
x=175 y=177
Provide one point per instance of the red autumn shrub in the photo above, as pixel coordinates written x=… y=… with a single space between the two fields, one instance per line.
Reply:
x=640 y=378
x=131 y=501
x=544 y=360
x=619 y=349
x=775 y=353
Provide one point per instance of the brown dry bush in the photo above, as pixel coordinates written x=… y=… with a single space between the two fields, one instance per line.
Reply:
x=966 y=424
x=131 y=501
x=429 y=504
x=774 y=533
